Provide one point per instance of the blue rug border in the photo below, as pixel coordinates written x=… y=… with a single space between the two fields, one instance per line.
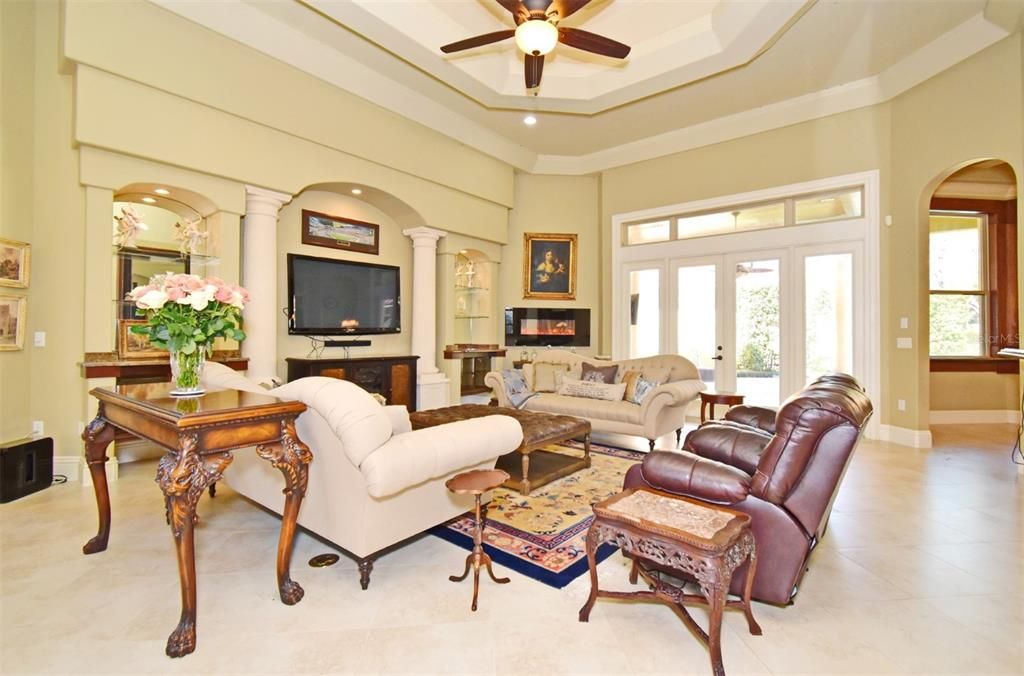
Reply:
x=521 y=566
x=530 y=570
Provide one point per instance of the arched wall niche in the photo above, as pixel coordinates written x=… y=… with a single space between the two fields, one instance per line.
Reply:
x=975 y=388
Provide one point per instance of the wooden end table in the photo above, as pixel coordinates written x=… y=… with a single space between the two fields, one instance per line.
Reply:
x=476 y=482
x=701 y=541
x=711 y=398
x=199 y=435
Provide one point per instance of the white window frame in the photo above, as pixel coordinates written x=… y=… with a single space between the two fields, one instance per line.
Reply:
x=983 y=292
x=865 y=229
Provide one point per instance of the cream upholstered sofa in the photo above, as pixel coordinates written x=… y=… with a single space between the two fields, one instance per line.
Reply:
x=661 y=411
x=373 y=482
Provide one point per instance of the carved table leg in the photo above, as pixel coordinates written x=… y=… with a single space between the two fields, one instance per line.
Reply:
x=183 y=477
x=525 y=485
x=593 y=539
x=717 y=602
x=97 y=436
x=292 y=457
x=586 y=449
x=748 y=586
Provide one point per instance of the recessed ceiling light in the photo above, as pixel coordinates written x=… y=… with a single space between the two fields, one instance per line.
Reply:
x=529 y=120
x=161 y=191
x=357 y=191
x=149 y=200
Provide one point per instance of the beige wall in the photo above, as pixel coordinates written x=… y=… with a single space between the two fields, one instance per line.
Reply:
x=395 y=249
x=914 y=141
x=938 y=127
x=973 y=392
x=566 y=204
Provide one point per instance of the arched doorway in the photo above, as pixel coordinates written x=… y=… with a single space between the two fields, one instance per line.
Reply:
x=973 y=294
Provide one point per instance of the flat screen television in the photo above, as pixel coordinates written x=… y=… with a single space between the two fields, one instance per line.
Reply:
x=330 y=297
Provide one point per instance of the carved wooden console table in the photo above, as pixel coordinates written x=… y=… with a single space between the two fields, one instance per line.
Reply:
x=695 y=540
x=199 y=435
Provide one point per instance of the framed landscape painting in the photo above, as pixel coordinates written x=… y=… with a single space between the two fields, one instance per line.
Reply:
x=340 y=233
x=132 y=345
x=12 y=322
x=14 y=260
x=549 y=266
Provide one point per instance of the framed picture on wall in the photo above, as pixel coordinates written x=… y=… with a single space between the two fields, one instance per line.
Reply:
x=549 y=266
x=12 y=322
x=14 y=260
x=132 y=345
x=340 y=233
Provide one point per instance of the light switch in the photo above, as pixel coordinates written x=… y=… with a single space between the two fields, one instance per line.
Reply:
x=39 y=339
x=904 y=322
x=901 y=404
x=904 y=342
x=37 y=428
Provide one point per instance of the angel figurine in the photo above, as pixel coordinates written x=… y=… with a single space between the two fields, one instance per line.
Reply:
x=189 y=236
x=129 y=225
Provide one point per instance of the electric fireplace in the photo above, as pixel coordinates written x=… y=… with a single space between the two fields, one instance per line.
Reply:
x=536 y=326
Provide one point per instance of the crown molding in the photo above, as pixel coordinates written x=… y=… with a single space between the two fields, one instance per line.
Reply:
x=950 y=48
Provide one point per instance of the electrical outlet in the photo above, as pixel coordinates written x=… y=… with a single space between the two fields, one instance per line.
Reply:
x=901 y=404
x=37 y=428
x=39 y=339
x=904 y=343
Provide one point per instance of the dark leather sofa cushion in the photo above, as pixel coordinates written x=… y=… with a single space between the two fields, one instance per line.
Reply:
x=688 y=474
x=732 y=444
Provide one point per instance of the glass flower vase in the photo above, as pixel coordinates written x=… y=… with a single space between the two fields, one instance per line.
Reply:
x=187 y=372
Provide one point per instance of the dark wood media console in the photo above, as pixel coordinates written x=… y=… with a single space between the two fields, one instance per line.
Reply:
x=392 y=377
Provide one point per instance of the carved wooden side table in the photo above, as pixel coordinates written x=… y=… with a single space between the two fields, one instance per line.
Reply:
x=199 y=434
x=709 y=399
x=701 y=541
x=476 y=482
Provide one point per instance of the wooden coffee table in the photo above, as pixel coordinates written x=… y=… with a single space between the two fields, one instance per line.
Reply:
x=529 y=466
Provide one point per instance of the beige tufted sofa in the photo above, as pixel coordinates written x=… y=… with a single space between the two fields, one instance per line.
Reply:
x=662 y=411
x=373 y=482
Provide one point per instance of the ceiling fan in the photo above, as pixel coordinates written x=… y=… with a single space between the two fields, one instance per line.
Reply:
x=537 y=32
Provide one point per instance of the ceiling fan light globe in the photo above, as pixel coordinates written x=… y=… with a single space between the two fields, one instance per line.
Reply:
x=536 y=36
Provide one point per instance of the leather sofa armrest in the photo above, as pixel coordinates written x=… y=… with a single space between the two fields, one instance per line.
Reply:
x=735 y=445
x=753 y=416
x=690 y=475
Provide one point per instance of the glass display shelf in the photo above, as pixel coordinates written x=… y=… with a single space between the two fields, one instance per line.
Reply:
x=459 y=316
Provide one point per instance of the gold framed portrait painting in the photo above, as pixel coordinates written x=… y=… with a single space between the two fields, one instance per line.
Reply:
x=549 y=266
x=14 y=263
x=12 y=322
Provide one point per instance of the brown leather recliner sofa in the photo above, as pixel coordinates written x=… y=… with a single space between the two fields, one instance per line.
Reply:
x=782 y=468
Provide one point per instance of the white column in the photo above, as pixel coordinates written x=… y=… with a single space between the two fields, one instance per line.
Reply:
x=431 y=385
x=259 y=276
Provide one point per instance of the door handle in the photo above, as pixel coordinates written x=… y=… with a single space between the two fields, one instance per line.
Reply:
x=718 y=358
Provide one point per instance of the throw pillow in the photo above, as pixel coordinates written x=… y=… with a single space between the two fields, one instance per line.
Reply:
x=515 y=388
x=629 y=379
x=657 y=375
x=544 y=375
x=574 y=374
x=591 y=390
x=641 y=389
x=599 y=374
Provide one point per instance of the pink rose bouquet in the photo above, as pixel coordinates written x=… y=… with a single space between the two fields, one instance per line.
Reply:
x=185 y=313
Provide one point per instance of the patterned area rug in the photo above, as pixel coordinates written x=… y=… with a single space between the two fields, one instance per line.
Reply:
x=543 y=536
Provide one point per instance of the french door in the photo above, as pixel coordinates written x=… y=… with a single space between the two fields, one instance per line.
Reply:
x=759 y=322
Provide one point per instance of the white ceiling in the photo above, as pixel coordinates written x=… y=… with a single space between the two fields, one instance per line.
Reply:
x=700 y=71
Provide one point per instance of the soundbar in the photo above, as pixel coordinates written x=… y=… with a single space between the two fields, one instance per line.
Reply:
x=346 y=343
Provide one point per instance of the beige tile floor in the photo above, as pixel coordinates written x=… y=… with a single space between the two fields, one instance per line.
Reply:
x=921 y=571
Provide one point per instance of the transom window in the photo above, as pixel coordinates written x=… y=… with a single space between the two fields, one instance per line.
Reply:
x=794 y=210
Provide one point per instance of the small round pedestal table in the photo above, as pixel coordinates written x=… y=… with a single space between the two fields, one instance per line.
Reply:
x=477 y=482
x=711 y=398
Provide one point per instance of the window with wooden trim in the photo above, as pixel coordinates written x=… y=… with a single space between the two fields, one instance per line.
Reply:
x=972 y=277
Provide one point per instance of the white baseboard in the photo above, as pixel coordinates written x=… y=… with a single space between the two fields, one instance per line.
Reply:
x=979 y=417
x=75 y=468
x=905 y=436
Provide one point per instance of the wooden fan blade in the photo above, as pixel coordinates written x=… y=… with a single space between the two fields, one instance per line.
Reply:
x=592 y=42
x=478 y=41
x=534 y=69
x=567 y=7
x=516 y=8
